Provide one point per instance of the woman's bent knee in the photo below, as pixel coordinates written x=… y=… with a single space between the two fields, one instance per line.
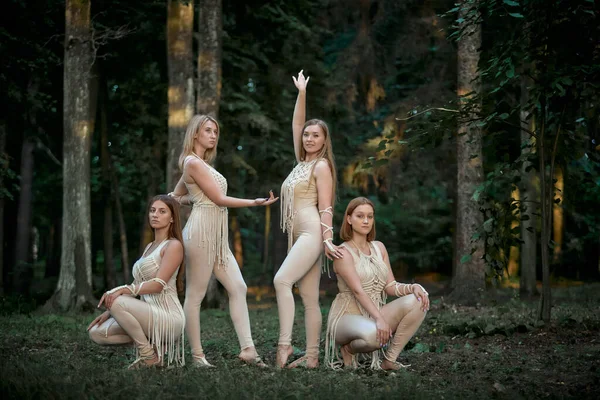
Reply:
x=96 y=335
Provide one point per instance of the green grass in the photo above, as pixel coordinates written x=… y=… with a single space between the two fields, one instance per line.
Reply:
x=497 y=351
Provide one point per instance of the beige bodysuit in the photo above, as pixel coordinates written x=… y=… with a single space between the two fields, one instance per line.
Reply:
x=155 y=320
x=349 y=323
x=207 y=252
x=301 y=220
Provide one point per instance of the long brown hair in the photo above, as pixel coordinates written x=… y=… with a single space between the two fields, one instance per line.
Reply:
x=194 y=126
x=326 y=152
x=174 y=231
x=346 y=230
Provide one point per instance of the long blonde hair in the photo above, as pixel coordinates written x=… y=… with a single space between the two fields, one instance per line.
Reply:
x=326 y=152
x=195 y=125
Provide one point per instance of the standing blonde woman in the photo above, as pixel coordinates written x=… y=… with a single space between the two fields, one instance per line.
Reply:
x=360 y=322
x=307 y=216
x=206 y=237
x=154 y=322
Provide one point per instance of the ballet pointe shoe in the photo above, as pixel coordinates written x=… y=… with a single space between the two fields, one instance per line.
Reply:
x=143 y=362
x=307 y=362
x=251 y=357
x=200 y=362
x=283 y=353
x=388 y=365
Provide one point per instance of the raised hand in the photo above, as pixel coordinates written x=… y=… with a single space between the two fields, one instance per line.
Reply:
x=301 y=81
x=265 y=202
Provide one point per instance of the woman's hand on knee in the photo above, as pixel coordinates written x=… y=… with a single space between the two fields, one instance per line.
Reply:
x=99 y=320
x=109 y=298
x=384 y=332
x=422 y=296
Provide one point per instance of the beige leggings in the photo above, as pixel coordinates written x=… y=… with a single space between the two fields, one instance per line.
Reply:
x=403 y=315
x=198 y=273
x=130 y=318
x=302 y=265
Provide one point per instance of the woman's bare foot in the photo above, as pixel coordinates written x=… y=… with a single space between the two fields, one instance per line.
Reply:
x=305 y=362
x=251 y=357
x=283 y=353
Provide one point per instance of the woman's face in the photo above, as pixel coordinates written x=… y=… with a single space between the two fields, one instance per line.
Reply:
x=313 y=139
x=362 y=219
x=208 y=135
x=160 y=215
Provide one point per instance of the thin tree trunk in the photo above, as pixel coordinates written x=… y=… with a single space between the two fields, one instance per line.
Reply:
x=3 y=167
x=527 y=286
x=53 y=245
x=469 y=280
x=74 y=288
x=558 y=218
x=109 y=266
x=545 y=300
x=238 y=249
x=267 y=235
x=180 y=28
x=210 y=32
x=514 y=252
x=122 y=227
x=22 y=266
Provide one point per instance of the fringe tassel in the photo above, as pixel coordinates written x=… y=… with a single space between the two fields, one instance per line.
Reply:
x=212 y=220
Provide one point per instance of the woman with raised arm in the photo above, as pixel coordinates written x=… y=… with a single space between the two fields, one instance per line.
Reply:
x=206 y=237
x=360 y=322
x=154 y=323
x=307 y=216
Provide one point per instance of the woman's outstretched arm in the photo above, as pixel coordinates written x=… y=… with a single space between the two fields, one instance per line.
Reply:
x=299 y=112
x=200 y=173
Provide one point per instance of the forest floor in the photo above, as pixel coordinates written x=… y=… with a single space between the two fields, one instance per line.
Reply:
x=498 y=350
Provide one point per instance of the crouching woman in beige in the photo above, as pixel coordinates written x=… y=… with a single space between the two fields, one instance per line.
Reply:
x=360 y=322
x=154 y=322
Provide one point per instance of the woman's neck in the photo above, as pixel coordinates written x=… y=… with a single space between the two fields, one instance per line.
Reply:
x=199 y=151
x=360 y=240
x=161 y=234
x=310 y=157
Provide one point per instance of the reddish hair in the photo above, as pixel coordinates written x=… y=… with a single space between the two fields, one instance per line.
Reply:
x=346 y=230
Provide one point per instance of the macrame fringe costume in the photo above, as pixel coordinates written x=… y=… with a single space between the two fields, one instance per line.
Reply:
x=373 y=273
x=167 y=321
x=301 y=176
x=209 y=219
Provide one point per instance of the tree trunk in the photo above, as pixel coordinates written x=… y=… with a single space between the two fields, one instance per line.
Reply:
x=122 y=228
x=529 y=198
x=545 y=195
x=109 y=266
x=74 y=288
x=267 y=238
x=22 y=266
x=238 y=249
x=180 y=27
x=210 y=27
x=3 y=167
x=469 y=281
x=513 y=255
x=54 y=246
x=558 y=216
